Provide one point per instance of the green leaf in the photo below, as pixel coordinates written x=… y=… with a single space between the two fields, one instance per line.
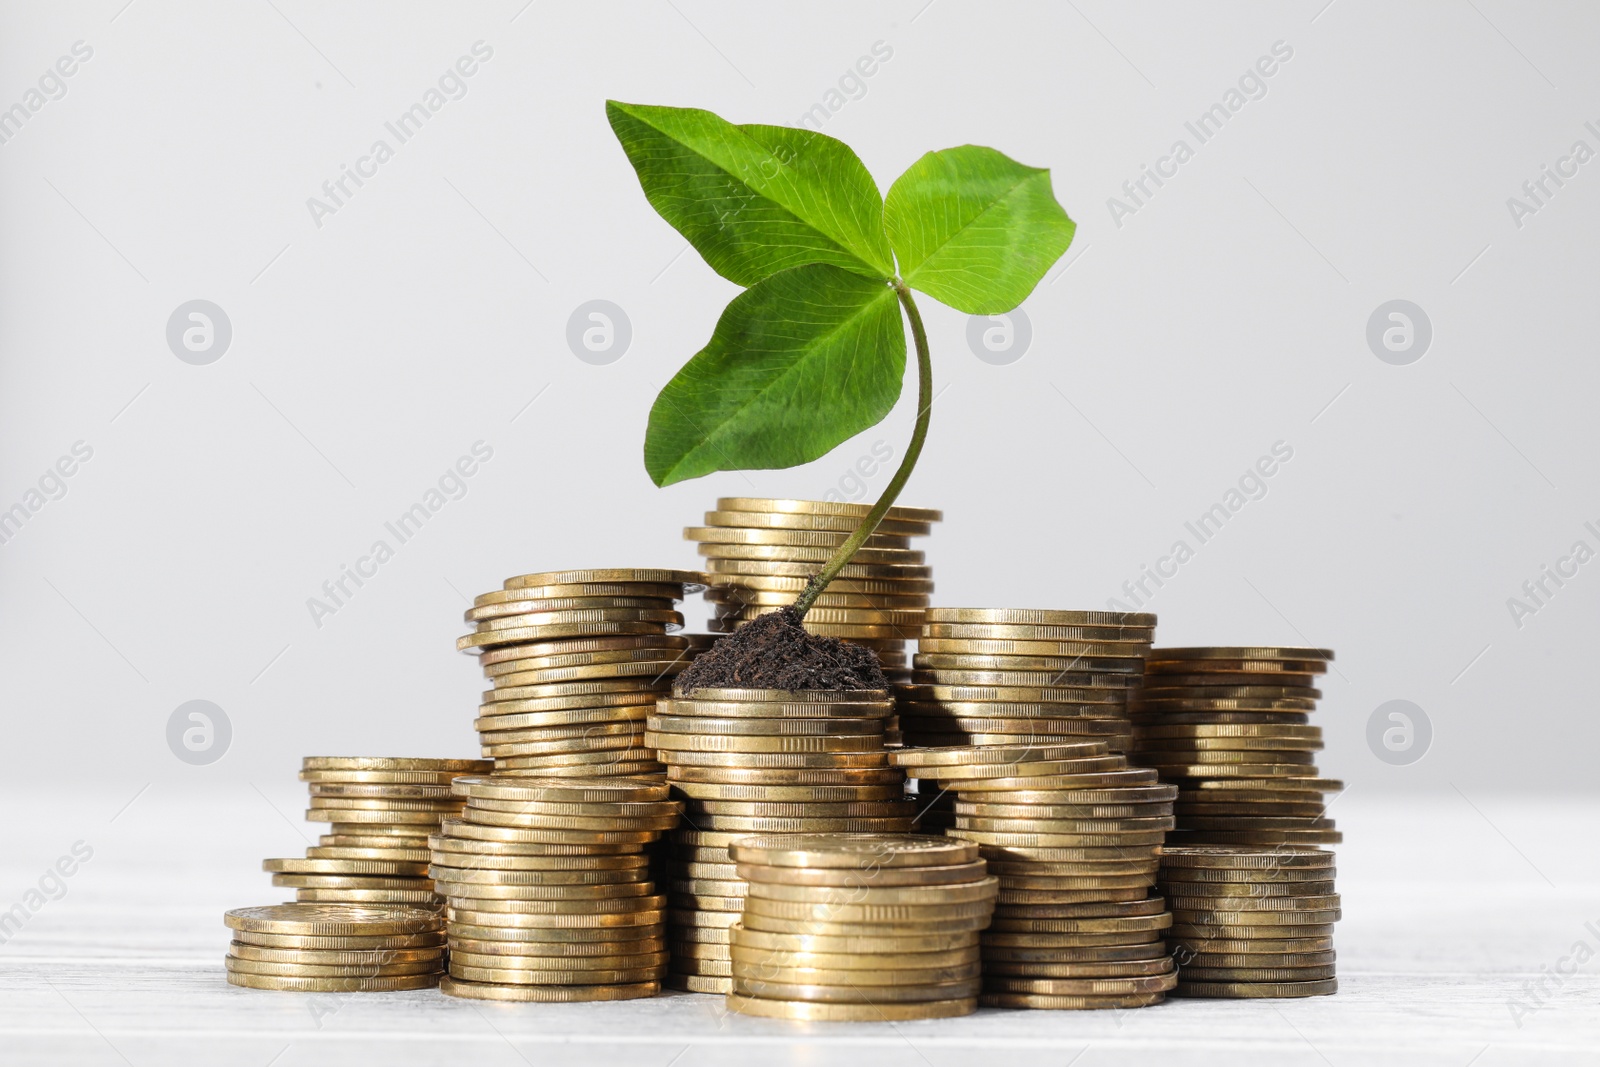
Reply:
x=755 y=200
x=975 y=229
x=798 y=363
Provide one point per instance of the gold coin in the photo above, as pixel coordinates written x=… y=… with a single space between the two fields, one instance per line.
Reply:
x=356 y=943
x=855 y=632
x=1208 y=915
x=646 y=696
x=630 y=769
x=968 y=818
x=601 y=896
x=236 y=965
x=658 y=670
x=415 y=897
x=572 y=689
x=994 y=646
x=436 y=791
x=788 y=538
x=244 y=950
x=768 y=974
x=1244 y=858
x=512 y=813
x=1133 y=636
x=1044 y=617
x=629 y=745
x=1257 y=959
x=1148 y=707
x=490 y=638
x=572 y=968
x=787 y=520
x=889 y=914
x=576 y=950
x=667 y=590
x=1072 y=681
x=517 y=976
x=777 y=824
x=702 y=791
x=499 y=727
x=344 y=867
x=525 y=920
x=971 y=755
x=1257 y=652
x=332 y=920
x=1064 y=942
x=852 y=851
x=757 y=921
x=1127 y=969
x=786 y=569
x=780 y=743
x=731 y=584
x=804 y=1011
x=627 y=797
x=1128 y=668
x=1256 y=974
x=740 y=597
x=346 y=881
x=764 y=727
x=447 y=804
x=854 y=878
x=693 y=983
x=1070 y=1003
x=904 y=557
x=892 y=958
x=382 y=984
x=606 y=575
x=865 y=946
x=532 y=606
x=1160 y=692
x=1256 y=989
x=897 y=513
x=872 y=895
x=458 y=987
x=1185 y=931
x=856 y=996
x=557 y=934
x=384 y=778
x=541 y=653
x=732 y=711
x=1054 y=804
x=1114 y=924
x=388 y=763
x=1296 y=784
x=679 y=775
x=898 y=808
x=625 y=658
x=789 y=760
x=1082 y=987
x=603 y=762
x=959 y=775
x=1132 y=776
x=881 y=615
x=1016 y=694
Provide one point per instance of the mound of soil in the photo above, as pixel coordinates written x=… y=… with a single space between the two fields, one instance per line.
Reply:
x=775 y=652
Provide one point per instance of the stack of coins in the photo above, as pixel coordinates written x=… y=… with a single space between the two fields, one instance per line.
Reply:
x=548 y=888
x=998 y=676
x=1073 y=834
x=761 y=553
x=381 y=810
x=1229 y=725
x=748 y=761
x=576 y=659
x=1251 y=922
x=868 y=927
x=335 y=948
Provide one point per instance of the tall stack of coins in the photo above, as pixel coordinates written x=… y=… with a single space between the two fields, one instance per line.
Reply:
x=1251 y=922
x=998 y=676
x=1073 y=834
x=577 y=658
x=1229 y=725
x=381 y=810
x=749 y=761
x=868 y=927
x=761 y=553
x=548 y=888
x=335 y=948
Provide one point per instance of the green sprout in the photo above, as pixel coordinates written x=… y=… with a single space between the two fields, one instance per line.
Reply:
x=814 y=350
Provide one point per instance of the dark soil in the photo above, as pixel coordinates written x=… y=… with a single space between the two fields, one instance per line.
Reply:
x=775 y=652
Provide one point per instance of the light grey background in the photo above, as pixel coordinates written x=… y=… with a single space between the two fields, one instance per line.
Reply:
x=1229 y=312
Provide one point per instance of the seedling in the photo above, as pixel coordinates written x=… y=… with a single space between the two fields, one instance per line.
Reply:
x=814 y=350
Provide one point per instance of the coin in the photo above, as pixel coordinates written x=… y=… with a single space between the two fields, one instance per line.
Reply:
x=382 y=983
x=458 y=987
x=244 y=950
x=1043 y=1000
x=689 y=579
x=854 y=851
x=811 y=1011
x=1256 y=989
x=332 y=921
x=800 y=554
x=237 y=965
x=556 y=934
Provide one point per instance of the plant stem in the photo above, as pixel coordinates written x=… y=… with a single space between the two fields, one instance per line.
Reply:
x=919 y=434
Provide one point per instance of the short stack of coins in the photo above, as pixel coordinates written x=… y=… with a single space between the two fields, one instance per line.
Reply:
x=382 y=810
x=1251 y=922
x=577 y=658
x=548 y=890
x=762 y=553
x=1229 y=725
x=747 y=761
x=335 y=948
x=998 y=676
x=859 y=927
x=1073 y=834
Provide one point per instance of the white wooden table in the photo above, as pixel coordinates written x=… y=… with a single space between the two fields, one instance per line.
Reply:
x=1452 y=908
